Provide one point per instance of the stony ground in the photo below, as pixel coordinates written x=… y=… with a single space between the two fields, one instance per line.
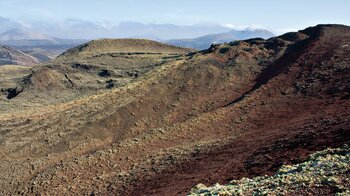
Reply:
x=236 y=110
x=325 y=172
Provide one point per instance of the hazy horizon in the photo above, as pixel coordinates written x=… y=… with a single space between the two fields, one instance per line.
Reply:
x=87 y=19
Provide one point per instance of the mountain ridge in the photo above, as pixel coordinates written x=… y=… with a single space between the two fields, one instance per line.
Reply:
x=46 y=47
x=122 y=45
x=22 y=34
x=10 y=56
x=239 y=109
x=205 y=41
x=96 y=65
x=42 y=47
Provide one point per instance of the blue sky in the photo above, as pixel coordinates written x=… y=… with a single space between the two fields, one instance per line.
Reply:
x=275 y=14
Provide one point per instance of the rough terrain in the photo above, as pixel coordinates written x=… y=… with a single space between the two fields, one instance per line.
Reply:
x=235 y=110
x=326 y=171
x=82 y=71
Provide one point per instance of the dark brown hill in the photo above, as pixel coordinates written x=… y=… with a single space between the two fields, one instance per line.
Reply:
x=235 y=110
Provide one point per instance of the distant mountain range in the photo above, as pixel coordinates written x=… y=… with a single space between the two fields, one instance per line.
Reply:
x=82 y=29
x=45 y=47
x=25 y=37
x=41 y=46
x=47 y=39
x=10 y=56
x=22 y=34
x=204 y=42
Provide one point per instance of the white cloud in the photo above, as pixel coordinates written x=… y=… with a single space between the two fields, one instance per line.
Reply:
x=231 y=26
x=245 y=27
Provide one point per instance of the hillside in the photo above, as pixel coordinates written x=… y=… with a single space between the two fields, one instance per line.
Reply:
x=111 y=46
x=10 y=56
x=85 y=70
x=204 y=42
x=240 y=109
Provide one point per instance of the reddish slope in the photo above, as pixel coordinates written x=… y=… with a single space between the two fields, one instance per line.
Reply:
x=298 y=104
x=234 y=110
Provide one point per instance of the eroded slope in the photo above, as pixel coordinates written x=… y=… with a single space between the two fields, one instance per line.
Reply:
x=235 y=110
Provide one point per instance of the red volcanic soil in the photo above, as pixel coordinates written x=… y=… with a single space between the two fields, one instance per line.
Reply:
x=298 y=104
x=235 y=110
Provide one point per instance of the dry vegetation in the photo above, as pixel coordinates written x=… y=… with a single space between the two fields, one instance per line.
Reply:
x=325 y=170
